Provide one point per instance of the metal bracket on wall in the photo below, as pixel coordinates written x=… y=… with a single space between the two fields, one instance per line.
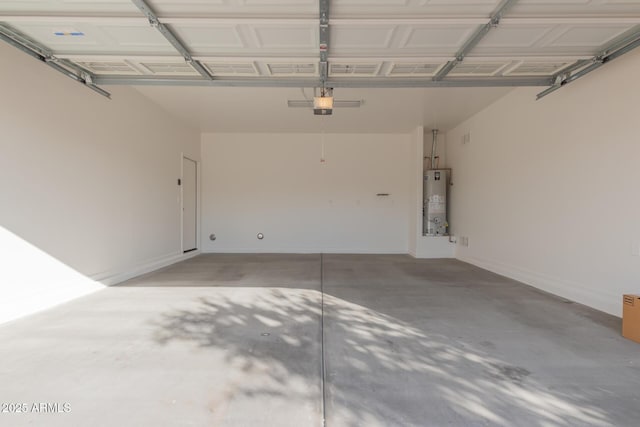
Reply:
x=39 y=52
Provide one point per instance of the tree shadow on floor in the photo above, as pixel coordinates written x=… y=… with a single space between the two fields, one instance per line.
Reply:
x=380 y=370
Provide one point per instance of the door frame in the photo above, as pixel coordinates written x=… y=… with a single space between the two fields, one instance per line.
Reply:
x=181 y=200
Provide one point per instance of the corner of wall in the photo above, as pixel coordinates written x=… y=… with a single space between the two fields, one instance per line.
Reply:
x=415 y=206
x=95 y=190
x=532 y=179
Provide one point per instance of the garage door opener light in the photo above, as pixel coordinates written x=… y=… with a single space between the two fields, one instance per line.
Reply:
x=323 y=104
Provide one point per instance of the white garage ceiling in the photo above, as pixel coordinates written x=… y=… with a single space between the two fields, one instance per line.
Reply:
x=384 y=110
x=313 y=43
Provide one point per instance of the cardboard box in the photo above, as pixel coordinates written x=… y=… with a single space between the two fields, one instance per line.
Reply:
x=631 y=317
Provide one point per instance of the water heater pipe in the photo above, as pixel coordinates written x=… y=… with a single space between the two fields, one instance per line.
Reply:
x=433 y=148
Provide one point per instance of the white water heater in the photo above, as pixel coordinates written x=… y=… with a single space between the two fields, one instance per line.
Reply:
x=436 y=184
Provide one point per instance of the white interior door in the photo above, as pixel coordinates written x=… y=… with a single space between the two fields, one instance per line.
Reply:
x=189 y=205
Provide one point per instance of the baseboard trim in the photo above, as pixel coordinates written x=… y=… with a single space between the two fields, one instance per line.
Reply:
x=573 y=291
x=113 y=278
x=301 y=251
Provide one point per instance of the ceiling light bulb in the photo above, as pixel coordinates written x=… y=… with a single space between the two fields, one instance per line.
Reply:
x=323 y=102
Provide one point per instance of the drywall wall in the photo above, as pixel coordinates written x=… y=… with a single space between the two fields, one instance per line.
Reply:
x=547 y=191
x=278 y=185
x=88 y=186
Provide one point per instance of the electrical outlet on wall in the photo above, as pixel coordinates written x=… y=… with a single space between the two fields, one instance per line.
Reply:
x=464 y=241
x=466 y=138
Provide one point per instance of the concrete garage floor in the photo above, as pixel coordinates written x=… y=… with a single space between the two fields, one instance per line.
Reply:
x=238 y=340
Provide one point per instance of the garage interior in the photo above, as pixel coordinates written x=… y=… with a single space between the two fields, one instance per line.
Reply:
x=340 y=213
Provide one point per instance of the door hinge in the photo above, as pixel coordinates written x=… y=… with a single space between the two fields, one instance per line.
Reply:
x=179 y=181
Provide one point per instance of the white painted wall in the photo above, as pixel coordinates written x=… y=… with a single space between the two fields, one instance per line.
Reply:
x=88 y=188
x=276 y=184
x=548 y=191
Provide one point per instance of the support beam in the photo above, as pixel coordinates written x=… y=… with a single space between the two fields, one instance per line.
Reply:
x=343 y=59
x=42 y=54
x=137 y=20
x=324 y=42
x=475 y=39
x=171 y=38
x=334 y=82
x=617 y=50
